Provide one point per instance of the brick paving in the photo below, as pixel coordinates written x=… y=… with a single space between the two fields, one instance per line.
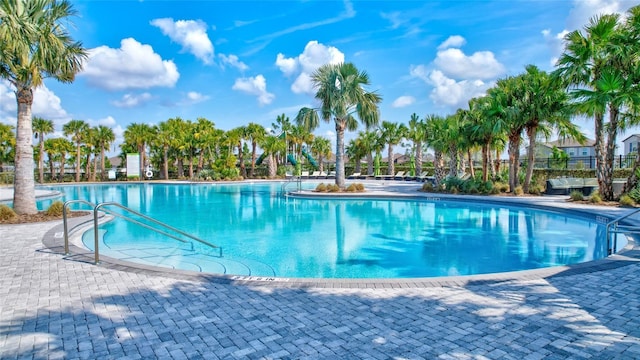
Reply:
x=64 y=307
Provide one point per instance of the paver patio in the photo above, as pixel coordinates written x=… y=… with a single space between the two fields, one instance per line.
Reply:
x=52 y=306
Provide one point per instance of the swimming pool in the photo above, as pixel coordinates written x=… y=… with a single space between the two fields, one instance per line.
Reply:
x=264 y=233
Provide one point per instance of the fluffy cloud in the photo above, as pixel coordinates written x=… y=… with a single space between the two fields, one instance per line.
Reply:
x=255 y=86
x=455 y=41
x=233 y=61
x=46 y=104
x=132 y=100
x=455 y=77
x=403 y=101
x=480 y=65
x=313 y=56
x=194 y=97
x=132 y=66
x=452 y=93
x=191 y=34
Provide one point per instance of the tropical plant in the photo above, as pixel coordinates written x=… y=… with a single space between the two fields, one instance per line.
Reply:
x=321 y=149
x=255 y=134
x=34 y=45
x=104 y=137
x=40 y=128
x=417 y=133
x=272 y=145
x=435 y=127
x=77 y=129
x=341 y=93
x=392 y=134
x=7 y=143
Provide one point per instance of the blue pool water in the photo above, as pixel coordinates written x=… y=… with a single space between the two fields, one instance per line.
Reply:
x=262 y=233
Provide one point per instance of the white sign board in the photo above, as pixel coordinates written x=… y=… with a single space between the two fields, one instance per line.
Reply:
x=133 y=165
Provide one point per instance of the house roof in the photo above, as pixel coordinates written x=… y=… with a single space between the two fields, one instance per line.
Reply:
x=630 y=136
x=567 y=143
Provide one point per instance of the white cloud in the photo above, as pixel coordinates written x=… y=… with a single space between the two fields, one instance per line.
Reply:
x=132 y=100
x=194 y=97
x=46 y=104
x=255 y=86
x=454 y=41
x=403 y=101
x=191 y=34
x=480 y=65
x=313 y=56
x=132 y=66
x=452 y=93
x=233 y=61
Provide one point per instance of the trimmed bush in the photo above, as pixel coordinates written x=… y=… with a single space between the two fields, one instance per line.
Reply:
x=321 y=188
x=576 y=195
x=333 y=188
x=427 y=187
x=55 y=209
x=626 y=200
x=351 y=188
x=6 y=213
x=595 y=198
x=360 y=187
x=518 y=191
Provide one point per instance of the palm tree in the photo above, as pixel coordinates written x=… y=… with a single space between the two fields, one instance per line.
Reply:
x=392 y=134
x=138 y=136
x=586 y=56
x=204 y=137
x=104 y=137
x=7 y=144
x=59 y=147
x=341 y=93
x=451 y=136
x=77 y=129
x=321 y=149
x=34 y=45
x=40 y=128
x=272 y=145
x=369 y=142
x=435 y=128
x=255 y=134
x=417 y=133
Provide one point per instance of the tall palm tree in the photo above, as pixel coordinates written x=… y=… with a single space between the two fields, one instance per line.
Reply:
x=255 y=134
x=204 y=137
x=138 y=136
x=272 y=145
x=341 y=93
x=392 y=134
x=59 y=147
x=104 y=137
x=435 y=127
x=321 y=149
x=34 y=45
x=587 y=54
x=77 y=129
x=369 y=142
x=417 y=133
x=40 y=128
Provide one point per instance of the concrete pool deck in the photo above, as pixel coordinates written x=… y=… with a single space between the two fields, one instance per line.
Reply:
x=56 y=306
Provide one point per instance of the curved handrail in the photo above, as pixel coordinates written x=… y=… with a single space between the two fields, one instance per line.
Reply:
x=616 y=222
x=64 y=220
x=296 y=178
x=96 y=235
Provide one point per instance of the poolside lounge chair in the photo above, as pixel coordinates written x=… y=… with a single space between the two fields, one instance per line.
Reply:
x=399 y=175
x=314 y=175
x=304 y=175
x=354 y=176
x=331 y=175
x=323 y=175
x=385 y=177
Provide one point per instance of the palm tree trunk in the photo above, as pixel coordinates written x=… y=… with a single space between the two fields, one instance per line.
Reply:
x=41 y=159
x=273 y=166
x=320 y=159
x=438 y=167
x=514 y=157
x=51 y=166
x=253 y=158
x=531 y=133
x=608 y=194
x=418 y=158
x=78 y=162
x=391 y=167
x=24 y=197
x=370 y=163
x=472 y=171
x=165 y=162
x=243 y=170
x=357 y=165
x=141 y=151
x=453 y=160
x=340 y=177
x=485 y=162
x=102 y=163
x=600 y=153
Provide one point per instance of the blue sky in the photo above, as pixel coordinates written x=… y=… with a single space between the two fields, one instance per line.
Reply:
x=235 y=62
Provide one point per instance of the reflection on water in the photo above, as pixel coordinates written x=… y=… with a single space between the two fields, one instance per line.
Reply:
x=349 y=238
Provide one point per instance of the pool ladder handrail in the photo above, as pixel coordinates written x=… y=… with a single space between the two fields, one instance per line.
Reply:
x=100 y=206
x=295 y=178
x=614 y=227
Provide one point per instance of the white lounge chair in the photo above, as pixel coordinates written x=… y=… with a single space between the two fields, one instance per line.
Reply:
x=314 y=175
x=323 y=175
x=354 y=176
x=399 y=175
x=304 y=175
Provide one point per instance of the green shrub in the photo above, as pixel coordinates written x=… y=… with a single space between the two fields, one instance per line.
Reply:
x=6 y=213
x=494 y=190
x=518 y=191
x=360 y=187
x=595 y=198
x=576 y=195
x=55 y=209
x=536 y=189
x=321 y=188
x=626 y=200
x=427 y=187
x=352 y=188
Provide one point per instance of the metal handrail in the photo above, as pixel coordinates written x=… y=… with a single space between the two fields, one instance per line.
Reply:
x=97 y=207
x=296 y=178
x=616 y=224
x=64 y=221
